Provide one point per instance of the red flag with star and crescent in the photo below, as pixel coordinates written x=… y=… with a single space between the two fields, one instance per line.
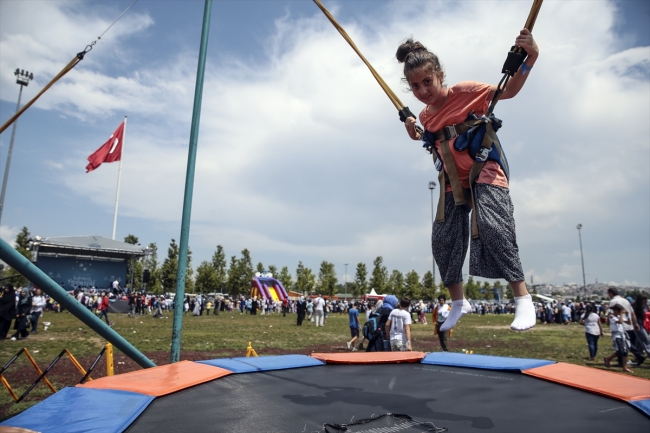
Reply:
x=110 y=151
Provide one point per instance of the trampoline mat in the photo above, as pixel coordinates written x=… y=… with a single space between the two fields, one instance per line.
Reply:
x=459 y=399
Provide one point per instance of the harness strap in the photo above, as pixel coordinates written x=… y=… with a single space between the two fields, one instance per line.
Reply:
x=489 y=139
x=456 y=187
x=442 y=181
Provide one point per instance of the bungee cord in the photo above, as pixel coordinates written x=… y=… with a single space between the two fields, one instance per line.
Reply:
x=77 y=58
x=389 y=92
x=516 y=57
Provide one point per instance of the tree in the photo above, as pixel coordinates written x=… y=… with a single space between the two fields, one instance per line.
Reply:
x=133 y=267
x=232 y=283
x=488 y=293
x=444 y=291
x=220 y=271
x=428 y=288
x=246 y=272
x=131 y=239
x=396 y=284
x=240 y=274
x=260 y=268
x=471 y=289
x=150 y=262
x=206 y=278
x=379 y=275
x=509 y=294
x=360 y=285
x=170 y=268
x=412 y=286
x=305 y=279
x=273 y=270
x=22 y=245
x=327 y=279
x=285 y=278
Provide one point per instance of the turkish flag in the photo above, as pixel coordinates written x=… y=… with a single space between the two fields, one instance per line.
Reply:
x=110 y=151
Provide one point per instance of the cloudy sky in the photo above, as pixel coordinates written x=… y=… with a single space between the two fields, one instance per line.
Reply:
x=301 y=155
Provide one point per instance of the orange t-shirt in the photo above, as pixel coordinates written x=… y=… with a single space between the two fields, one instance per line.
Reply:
x=464 y=98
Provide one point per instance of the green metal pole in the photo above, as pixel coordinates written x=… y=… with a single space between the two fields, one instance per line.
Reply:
x=17 y=261
x=189 y=188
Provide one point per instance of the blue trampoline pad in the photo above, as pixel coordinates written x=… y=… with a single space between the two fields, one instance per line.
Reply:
x=483 y=361
x=264 y=363
x=642 y=405
x=78 y=410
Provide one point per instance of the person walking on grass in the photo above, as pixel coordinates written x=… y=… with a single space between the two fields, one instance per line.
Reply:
x=398 y=326
x=23 y=309
x=617 y=318
x=301 y=307
x=7 y=309
x=353 y=314
x=440 y=314
x=38 y=303
x=629 y=327
x=319 y=311
x=593 y=330
x=102 y=307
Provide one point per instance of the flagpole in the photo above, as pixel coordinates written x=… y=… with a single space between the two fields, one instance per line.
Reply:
x=119 y=178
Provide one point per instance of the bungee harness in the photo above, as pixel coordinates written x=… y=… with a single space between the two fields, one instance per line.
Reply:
x=477 y=135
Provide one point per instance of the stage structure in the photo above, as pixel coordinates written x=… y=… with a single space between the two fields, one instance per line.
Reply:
x=84 y=261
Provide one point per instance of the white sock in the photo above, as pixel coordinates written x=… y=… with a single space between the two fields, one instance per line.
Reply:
x=467 y=307
x=454 y=315
x=524 y=313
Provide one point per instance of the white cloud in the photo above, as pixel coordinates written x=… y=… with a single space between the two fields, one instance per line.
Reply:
x=301 y=155
x=8 y=234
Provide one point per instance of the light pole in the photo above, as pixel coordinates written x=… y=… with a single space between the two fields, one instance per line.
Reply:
x=23 y=78
x=345 y=278
x=582 y=258
x=432 y=186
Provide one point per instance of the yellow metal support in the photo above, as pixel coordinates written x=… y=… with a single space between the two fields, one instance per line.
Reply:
x=47 y=382
x=250 y=351
x=110 y=369
x=6 y=384
x=76 y=364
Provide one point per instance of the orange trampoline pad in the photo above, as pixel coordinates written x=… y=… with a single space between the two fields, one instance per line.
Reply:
x=610 y=384
x=369 y=357
x=159 y=381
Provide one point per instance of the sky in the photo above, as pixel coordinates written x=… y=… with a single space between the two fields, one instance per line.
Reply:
x=301 y=156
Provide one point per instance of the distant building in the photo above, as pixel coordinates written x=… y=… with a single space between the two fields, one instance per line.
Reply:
x=84 y=261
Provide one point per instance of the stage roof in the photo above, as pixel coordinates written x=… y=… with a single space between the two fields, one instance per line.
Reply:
x=92 y=246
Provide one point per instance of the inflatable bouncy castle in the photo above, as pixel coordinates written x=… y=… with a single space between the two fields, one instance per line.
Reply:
x=264 y=286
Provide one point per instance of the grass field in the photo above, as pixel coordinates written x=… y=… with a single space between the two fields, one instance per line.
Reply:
x=228 y=335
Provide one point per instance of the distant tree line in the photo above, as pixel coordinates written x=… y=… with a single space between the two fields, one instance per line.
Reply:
x=218 y=275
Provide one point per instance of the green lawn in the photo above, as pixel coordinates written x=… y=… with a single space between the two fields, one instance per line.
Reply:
x=228 y=335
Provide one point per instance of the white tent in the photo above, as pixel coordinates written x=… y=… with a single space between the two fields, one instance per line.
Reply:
x=546 y=298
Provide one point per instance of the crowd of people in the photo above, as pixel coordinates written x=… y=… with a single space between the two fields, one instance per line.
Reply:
x=628 y=319
x=24 y=308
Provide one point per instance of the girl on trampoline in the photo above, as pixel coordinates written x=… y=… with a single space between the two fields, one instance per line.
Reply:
x=495 y=254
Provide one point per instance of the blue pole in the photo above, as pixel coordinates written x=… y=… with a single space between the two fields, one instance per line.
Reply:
x=17 y=261
x=189 y=188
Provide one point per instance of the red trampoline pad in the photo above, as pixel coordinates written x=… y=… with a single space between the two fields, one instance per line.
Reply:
x=610 y=384
x=159 y=381
x=369 y=357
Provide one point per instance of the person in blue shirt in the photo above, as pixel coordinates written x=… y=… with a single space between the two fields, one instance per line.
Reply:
x=353 y=313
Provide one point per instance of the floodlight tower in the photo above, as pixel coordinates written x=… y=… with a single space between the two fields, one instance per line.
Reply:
x=22 y=78
x=584 y=282
x=432 y=186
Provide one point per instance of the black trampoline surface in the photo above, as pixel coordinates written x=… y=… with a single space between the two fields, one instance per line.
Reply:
x=459 y=399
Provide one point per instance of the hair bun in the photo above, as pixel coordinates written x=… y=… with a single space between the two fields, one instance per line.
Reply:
x=406 y=48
